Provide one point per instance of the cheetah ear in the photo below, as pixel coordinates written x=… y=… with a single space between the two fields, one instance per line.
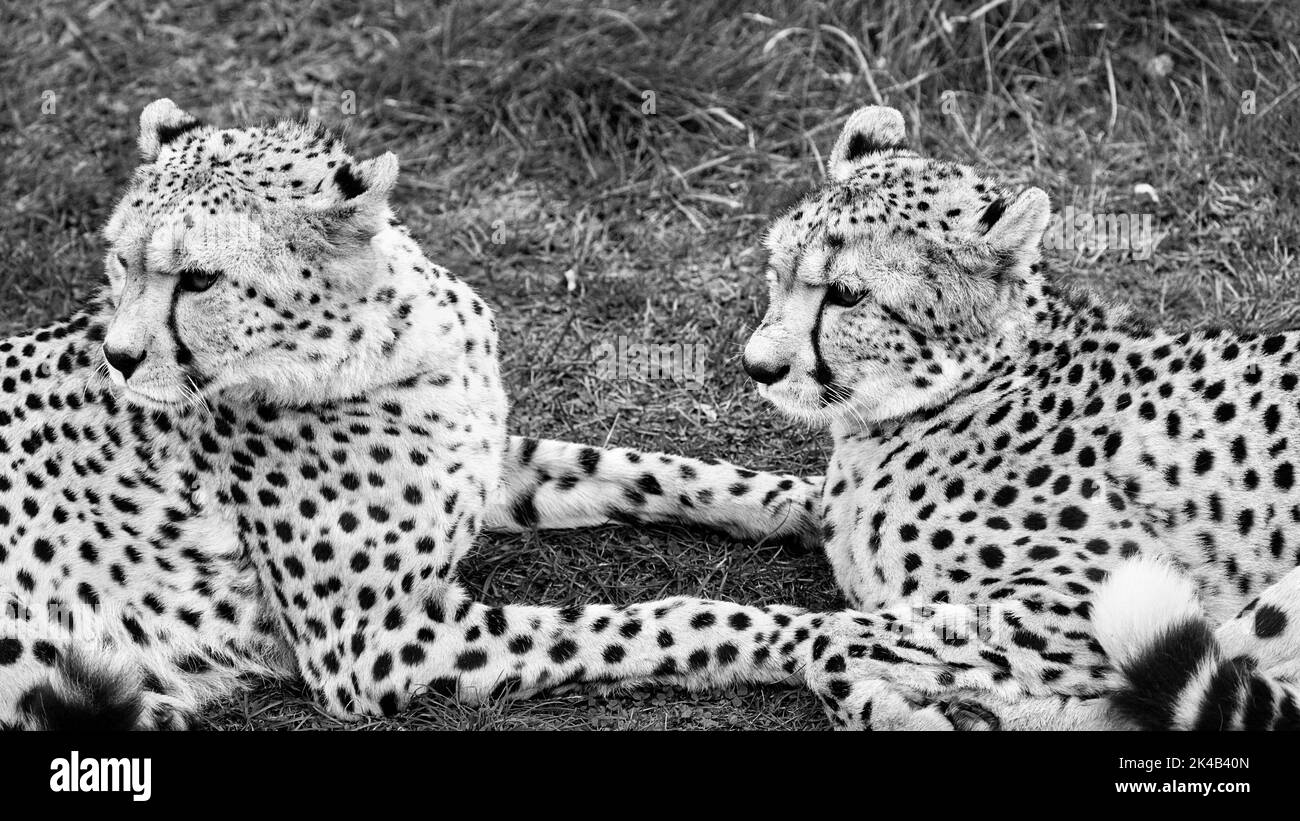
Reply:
x=868 y=132
x=357 y=207
x=161 y=122
x=1018 y=225
x=366 y=182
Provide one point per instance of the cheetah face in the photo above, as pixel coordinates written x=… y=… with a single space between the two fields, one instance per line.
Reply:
x=236 y=257
x=896 y=283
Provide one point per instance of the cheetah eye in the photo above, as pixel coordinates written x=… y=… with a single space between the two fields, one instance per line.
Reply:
x=196 y=280
x=837 y=294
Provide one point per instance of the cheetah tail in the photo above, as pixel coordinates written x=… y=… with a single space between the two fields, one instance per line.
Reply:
x=83 y=694
x=1176 y=672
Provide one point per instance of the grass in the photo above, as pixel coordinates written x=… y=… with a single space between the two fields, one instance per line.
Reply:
x=532 y=166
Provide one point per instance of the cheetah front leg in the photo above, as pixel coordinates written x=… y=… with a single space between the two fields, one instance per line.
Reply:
x=549 y=484
x=451 y=646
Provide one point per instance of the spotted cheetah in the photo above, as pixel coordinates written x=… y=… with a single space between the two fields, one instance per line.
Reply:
x=1033 y=499
x=264 y=448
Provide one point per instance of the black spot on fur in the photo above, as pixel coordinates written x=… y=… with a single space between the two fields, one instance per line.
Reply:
x=525 y=511
x=470 y=660
x=1269 y=621
x=443 y=686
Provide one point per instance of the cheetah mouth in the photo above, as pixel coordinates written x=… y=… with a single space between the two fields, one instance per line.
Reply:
x=141 y=399
x=807 y=406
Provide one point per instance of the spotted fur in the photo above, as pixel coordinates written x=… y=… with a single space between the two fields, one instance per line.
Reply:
x=264 y=449
x=1002 y=444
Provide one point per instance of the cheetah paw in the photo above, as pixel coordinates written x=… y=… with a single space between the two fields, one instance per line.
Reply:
x=967 y=715
x=876 y=705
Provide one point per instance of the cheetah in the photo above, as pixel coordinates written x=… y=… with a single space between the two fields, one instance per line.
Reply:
x=1038 y=505
x=263 y=449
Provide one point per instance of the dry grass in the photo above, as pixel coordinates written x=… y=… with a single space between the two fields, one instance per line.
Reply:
x=527 y=154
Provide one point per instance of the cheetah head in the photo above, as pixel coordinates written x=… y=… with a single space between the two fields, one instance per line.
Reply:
x=241 y=258
x=893 y=285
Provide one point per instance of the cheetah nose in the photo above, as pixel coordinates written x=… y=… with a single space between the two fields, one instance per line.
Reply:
x=764 y=374
x=124 y=361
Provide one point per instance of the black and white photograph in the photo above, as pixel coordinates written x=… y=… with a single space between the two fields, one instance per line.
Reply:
x=634 y=375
